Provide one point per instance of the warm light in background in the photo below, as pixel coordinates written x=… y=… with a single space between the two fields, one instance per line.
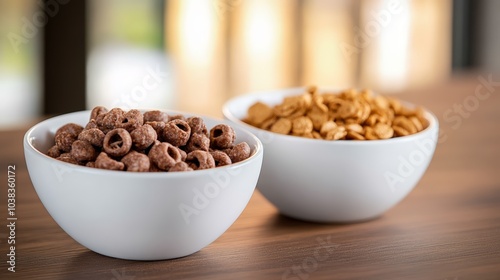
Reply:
x=328 y=27
x=385 y=26
x=263 y=46
x=197 y=30
x=195 y=43
x=260 y=29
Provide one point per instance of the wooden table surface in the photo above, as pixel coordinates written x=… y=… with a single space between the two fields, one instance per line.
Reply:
x=447 y=228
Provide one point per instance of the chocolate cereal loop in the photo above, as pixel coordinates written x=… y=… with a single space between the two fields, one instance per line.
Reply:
x=177 y=132
x=164 y=155
x=200 y=160
x=143 y=137
x=117 y=142
x=220 y=158
x=136 y=162
x=222 y=136
x=239 y=152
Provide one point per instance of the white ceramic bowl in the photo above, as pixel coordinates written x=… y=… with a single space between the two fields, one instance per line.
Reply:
x=335 y=181
x=140 y=216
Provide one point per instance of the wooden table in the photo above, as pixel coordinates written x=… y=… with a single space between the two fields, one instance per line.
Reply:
x=447 y=228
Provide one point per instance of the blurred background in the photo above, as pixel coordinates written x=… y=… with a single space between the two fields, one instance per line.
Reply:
x=58 y=56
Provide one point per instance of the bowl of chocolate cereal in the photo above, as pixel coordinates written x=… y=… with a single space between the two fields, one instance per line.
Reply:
x=336 y=155
x=142 y=185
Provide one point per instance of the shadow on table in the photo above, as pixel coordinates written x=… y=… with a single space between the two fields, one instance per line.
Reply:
x=91 y=265
x=280 y=222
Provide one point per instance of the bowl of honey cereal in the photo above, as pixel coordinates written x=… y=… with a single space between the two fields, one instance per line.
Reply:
x=142 y=185
x=336 y=156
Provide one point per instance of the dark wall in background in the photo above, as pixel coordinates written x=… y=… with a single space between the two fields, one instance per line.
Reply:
x=64 y=57
x=476 y=34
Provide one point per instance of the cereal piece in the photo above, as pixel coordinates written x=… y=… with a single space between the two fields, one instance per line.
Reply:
x=93 y=135
x=302 y=125
x=198 y=160
x=90 y=164
x=298 y=113
x=318 y=105
x=239 y=152
x=67 y=157
x=180 y=167
x=258 y=113
x=370 y=133
x=399 y=131
x=177 y=132
x=420 y=114
x=289 y=106
x=83 y=151
x=270 y=122
x=91 y=124
x=395 y=105
x=98 y=110
x=143 y=137
x=136 y=162
x=316 y=135
x=110 y=120
x=117 y=142
x=364 y=112
x=64 y=139
x=337 y=133
x=416 y=122
x=405 y=123
x=282 y=126
x=220 y=158
x=353 y=135
x=155 y=116
x=327 y=127
x=383 y=131
x=72 y=129
x=198 y=141
x=222 y=136
x=318 y=117
x=164 y=155
x=347 y=110
x=66 y=135
x=158 y=127
x=54 y=152
x=197 y=125
x=131 y=120
x=355 y=128
x=103 y=161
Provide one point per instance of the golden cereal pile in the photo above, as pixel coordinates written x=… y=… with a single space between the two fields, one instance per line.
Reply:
x=347 y=115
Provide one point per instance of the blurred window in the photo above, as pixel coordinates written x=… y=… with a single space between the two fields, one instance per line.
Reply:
x=21 y=34
x=127 y=65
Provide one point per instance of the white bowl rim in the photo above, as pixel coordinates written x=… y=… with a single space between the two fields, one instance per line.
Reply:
x=258 y=150
x=433 y=121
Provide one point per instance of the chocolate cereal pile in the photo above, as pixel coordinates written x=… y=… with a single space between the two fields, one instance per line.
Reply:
x=346 y=115
x=151 y=141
